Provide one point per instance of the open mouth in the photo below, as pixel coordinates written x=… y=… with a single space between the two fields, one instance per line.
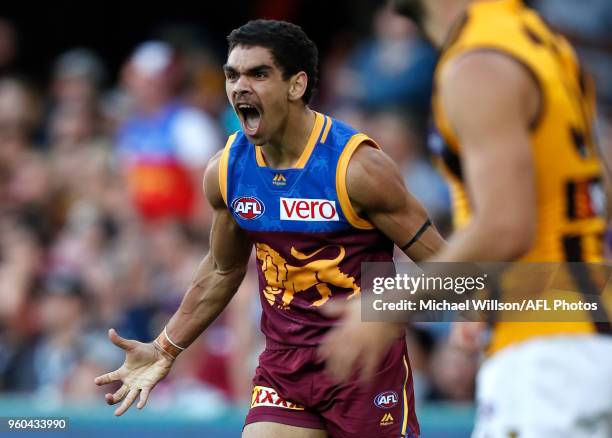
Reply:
x=250 y=116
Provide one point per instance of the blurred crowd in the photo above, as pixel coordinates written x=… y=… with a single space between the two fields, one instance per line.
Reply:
x=103 y=221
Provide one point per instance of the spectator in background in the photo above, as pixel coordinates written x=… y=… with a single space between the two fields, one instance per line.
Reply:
x=42 y=365
x=69 y=348
x=204 y=81
x=8 y=46
x=62 y=320
x=164 y=145
x=453 y=373
x=24 y=185
x=77 y=78
x=19 y=118
x=394 y=67
x=399 y=135
x=21 y=260
x=79 y=156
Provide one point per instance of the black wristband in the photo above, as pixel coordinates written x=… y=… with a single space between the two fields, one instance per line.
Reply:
x=418 y=234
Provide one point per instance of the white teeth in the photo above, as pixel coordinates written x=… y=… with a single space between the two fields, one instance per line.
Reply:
x=245 y=106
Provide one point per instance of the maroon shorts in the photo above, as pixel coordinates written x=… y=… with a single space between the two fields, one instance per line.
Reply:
x=291 y=387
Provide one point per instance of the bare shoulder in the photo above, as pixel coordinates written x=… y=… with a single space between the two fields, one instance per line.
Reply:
x=373 y=179
x=211 y=186
x=487 y=68
x=480 y=81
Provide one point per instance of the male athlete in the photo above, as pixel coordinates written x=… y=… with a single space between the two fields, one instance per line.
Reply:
x=514 y=113
x=316 y=199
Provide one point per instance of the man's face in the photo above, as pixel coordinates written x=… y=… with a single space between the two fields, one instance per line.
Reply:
x=413 y=9
x=256 y=89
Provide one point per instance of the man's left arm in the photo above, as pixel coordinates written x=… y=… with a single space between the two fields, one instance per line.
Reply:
x=377 y=192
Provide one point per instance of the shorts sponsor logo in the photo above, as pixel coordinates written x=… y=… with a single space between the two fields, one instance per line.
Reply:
x=248 y=207
x=264 y=396
x=310 y=210
x=387 y=419
x=386 y=400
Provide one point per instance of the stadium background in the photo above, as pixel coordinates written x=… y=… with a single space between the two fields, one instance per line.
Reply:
x=90 y=238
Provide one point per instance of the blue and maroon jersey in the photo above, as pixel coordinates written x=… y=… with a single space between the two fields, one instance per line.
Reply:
x=309 y=241
x=159 y=183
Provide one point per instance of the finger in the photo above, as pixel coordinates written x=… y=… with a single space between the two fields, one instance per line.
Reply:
x=324 y=349
x=342 y=361
x=334 y=309
x=127 y=402
x=331 y=342
x=370 y=363
x=120 y=342
x=341 y=366
x=144 y=396
x=113 y=376
x=111 y=399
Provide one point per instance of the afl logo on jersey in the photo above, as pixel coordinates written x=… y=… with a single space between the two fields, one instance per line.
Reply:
x=386 y=400
x=248 y=207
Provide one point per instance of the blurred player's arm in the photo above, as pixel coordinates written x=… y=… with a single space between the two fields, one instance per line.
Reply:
x=377 y=192
x=215 y=283
x=492 y=101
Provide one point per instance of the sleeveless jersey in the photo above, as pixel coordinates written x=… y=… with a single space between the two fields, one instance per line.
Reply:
x=309 y=241
x=570 y=197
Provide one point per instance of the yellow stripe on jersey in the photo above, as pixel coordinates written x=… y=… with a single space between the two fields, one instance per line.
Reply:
x=312 y=141
x=406 y=407
x=223 y=161
x=345 y=203
x=308 y=148
x=327 y=128
x=261 y=162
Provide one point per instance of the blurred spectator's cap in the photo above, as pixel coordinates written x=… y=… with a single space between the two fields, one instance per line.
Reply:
x=152 y=58
x=64 y=283
x=80 y=63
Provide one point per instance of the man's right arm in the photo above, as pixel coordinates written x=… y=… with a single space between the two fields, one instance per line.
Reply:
x=215 y=283
x=219 y=274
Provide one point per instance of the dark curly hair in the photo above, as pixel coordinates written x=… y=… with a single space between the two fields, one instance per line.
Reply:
x=291 y=48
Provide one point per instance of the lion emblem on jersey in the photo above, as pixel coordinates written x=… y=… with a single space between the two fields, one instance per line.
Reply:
x=283 y=278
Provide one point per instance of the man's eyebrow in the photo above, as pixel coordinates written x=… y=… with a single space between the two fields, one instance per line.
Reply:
x=252 y=70
x=260 y=68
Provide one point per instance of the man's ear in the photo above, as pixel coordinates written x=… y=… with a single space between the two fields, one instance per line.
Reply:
x=297 y=86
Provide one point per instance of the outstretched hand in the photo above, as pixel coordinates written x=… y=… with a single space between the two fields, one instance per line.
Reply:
x=144 y=366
